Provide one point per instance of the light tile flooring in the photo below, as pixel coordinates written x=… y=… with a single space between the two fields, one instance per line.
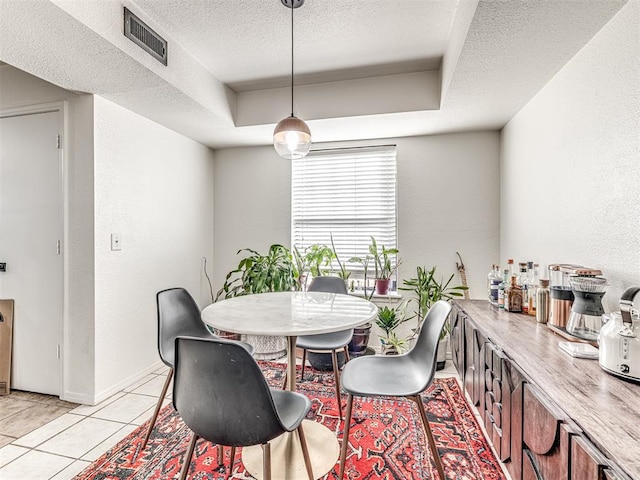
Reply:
x=73 y=438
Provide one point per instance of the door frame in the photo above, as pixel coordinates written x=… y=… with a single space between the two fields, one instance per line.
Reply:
x=63 y=151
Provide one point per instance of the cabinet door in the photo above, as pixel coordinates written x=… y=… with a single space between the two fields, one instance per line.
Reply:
x=456 y=323
x=587 y=463
x=513 y=383
x=474 y=372
x=545 y=439
x=501 y=383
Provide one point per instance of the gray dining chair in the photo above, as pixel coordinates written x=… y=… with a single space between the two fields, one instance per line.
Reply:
x=219 y=407
x=178 y=314
x=406 y=375
x=327 y=342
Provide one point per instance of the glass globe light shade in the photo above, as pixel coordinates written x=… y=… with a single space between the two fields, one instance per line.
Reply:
x=292 y=138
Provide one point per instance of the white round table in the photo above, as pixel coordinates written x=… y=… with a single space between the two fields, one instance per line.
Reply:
x=291 y=314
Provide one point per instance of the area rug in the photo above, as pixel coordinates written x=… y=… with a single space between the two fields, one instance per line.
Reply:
x=386 y=440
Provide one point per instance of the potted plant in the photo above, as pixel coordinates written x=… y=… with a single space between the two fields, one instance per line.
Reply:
x=382 y=266
x=316 y=260
x=388 y=320
x=256 y=273
x=428 y=290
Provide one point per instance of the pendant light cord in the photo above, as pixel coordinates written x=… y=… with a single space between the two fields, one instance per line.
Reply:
x=292 y=58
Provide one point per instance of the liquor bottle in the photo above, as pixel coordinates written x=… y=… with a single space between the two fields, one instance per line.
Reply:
x=494 y=280
x=503 y=284
x=532 y=287
x=513 y=296
x=522 y=281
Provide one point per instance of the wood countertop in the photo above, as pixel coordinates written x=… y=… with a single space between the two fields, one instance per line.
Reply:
x=607 y=408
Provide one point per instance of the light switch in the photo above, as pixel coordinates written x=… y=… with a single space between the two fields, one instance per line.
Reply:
x=116 y=242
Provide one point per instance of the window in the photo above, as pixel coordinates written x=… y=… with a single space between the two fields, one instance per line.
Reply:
x=348 y=193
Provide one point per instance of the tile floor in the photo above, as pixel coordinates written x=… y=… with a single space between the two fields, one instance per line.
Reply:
x=74 y=436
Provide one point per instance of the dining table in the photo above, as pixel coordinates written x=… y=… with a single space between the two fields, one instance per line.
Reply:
x=291 y=314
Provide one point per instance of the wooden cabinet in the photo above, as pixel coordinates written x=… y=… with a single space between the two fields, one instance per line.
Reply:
x=545 y=439
x=531 y=397
x=473 y=372
x=456 y=327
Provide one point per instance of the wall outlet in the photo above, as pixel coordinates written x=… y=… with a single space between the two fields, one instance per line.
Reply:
x=116 y=242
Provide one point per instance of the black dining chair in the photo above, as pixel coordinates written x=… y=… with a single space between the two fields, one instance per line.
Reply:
x=223 y=397
x=178 y=314
x=327 y=342
x=406 y=375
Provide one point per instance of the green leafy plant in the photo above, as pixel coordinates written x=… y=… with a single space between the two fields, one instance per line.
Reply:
x=318 y=258
x=388 y=319
x=343 y=273
x=427 y=290
x=395 y=344
x=256 y=273
x=382 y=260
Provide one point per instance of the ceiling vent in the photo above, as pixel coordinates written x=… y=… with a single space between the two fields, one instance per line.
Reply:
x=139 y=33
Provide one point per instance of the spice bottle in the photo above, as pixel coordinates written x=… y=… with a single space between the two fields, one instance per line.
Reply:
x=542 y=301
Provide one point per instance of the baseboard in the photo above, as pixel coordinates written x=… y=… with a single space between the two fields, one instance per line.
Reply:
x=85 y=399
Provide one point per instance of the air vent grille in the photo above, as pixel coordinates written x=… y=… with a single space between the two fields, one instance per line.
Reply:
x=139 y=33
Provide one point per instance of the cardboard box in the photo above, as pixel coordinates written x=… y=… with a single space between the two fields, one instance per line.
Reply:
x=6 y=328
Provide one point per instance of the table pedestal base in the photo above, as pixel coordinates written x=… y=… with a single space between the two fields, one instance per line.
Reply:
x=287 y=462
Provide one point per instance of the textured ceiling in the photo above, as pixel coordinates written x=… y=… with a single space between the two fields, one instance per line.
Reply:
x=365 y=68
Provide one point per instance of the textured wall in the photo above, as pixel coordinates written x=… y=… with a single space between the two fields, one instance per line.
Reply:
x=154 y=187
x=21 y=89
x=571 y=162
x=448 y=201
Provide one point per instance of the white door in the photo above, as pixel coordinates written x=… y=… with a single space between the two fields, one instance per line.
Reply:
x=31 y=228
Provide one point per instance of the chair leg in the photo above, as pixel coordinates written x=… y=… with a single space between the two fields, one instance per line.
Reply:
x=334 y=359
x=305 y=453
x=187 y=457
x=220 y=454
x=233 y=459
x=346 y=353
x=304 y=361
x=266 y=461
x=345 y=436
x=158 y=406
x=430 y=438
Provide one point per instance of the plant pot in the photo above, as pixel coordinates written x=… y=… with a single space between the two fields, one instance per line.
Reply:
x=382 y=286
x=441 y=356
x=267 y=347
x=360 y=340
x=322 y=361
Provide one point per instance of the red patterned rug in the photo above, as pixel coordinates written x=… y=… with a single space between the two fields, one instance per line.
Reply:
x=386 y=439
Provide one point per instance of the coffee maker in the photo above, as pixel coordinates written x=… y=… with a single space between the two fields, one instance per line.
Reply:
x=561 y=294
x=588 y=289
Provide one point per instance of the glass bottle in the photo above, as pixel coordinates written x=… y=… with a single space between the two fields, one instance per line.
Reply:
x=522 y=282
x=494 y=281
x=502 y=286
x=542 y=301
x=513 y=296
x=532 y=287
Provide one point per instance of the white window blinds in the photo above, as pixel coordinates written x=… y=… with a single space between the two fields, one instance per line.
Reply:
x=348 y=193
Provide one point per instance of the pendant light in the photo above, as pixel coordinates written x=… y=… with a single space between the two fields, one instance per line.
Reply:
x=292 y=137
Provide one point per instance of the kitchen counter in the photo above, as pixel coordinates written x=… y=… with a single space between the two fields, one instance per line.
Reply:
x=607 y=408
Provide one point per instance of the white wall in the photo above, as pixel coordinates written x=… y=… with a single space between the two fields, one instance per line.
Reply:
x=448 y=201
x=20 y=89
x=571 y=162
x=154 y=188
x=124 y=174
